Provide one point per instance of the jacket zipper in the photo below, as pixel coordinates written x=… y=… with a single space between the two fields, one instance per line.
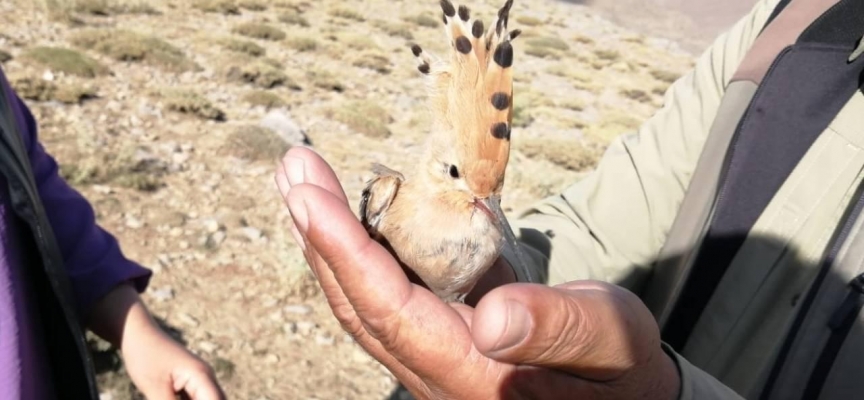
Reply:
x=841 y=323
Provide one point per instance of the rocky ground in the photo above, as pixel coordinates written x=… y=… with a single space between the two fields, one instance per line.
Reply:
x=169 y=115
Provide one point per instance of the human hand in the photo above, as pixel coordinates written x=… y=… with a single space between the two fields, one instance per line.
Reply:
x=159 y=366
x=582 y=339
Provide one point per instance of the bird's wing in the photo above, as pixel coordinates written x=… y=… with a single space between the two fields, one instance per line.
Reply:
x=378 y=195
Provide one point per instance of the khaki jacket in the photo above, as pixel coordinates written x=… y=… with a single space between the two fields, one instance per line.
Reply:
x=643 y=215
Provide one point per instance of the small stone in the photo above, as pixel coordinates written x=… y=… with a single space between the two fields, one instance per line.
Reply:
x=48 y=76
x=305 y=327
x=281 y=123
x=324 y=340
x=133 y=223
x=210 y=225
x=271 y=359
x=208 y=347
x=253 y=234
x=297 y=309
x=106 y=396
x=102 y=189
x=184 y=245
x=163 y=294
x=214 y=240
x=188 y=319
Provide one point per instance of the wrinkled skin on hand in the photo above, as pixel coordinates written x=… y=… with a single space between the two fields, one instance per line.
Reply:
x=582 y=339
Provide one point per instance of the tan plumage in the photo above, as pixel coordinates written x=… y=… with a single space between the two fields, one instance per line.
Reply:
x=443 y=220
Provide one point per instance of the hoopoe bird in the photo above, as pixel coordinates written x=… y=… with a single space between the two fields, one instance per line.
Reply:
x=443 y=220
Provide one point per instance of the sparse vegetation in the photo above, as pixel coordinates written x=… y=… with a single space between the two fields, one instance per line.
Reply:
x=130 y=167
x=394 y=29
x=263 y=98
x=665 y=76
x=572 y=104
x=253 y=5
x=324 y=80
x=293 y=17
x=302 y=43
x=364 y=117
x=255 y=143
x=424 y=20
x=65 y=60
x=358 y=42
x=583 y=39
x=259 y=74
x=542 y=52
x=217 y=6
x=258 y=30
x=374 y=61
x=107 y=7
x=123 y=45
x=192 y=103
x=607 y=54
x=243 y=46
x=636 y=95
x=36 y=89
x=529 y=20
x=548 y=42
x=567 y=153
x=346 y=13
x=612 y=124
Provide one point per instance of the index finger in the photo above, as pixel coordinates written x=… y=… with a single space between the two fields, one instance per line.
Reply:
x=302 y=164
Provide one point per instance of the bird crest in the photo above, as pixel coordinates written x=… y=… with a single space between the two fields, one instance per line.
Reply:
x=471 y=94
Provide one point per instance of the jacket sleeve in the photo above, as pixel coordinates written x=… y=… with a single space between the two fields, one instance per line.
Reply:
x=611 y=225
x=92 y=257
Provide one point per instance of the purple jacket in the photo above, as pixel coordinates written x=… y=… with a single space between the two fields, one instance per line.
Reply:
x=79 y=265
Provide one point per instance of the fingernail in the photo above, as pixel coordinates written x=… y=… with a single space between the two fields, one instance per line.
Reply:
x=297 y=208
x=295 y=168
x=518 y=326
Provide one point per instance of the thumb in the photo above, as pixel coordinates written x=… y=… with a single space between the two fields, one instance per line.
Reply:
x=593 y=330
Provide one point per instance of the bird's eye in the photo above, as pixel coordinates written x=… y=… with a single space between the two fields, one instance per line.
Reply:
x=454 y=172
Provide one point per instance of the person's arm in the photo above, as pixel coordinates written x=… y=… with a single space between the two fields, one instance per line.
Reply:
x=106 y=285
x=611 y=225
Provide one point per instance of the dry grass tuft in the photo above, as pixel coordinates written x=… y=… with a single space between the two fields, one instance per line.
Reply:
x=130 y=167
x=260 y=31
x=263 y=98
x=529 y=20
x=346 y=13
x=607 y=55
x=127 y=46
x=395 y=29
x=612 y=124
x=293 y=17
x=549 y=43
x=374 y=61
x=636 y=95
x=253 y=5
x=424 y=20
x=189 y=102
x=364 y=117
x=664 y=75
x=228 y=7
x=567 y=153
x=324 y=80
x=65 y=60
x=260 y=74
x=243 y=46
x=302 y=43
x=255 y=143
x=37 y=89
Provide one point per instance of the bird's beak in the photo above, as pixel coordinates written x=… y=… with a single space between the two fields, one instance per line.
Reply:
x=493 y=205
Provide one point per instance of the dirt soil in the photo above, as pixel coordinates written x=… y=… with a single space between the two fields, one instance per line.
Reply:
x=169 y=115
